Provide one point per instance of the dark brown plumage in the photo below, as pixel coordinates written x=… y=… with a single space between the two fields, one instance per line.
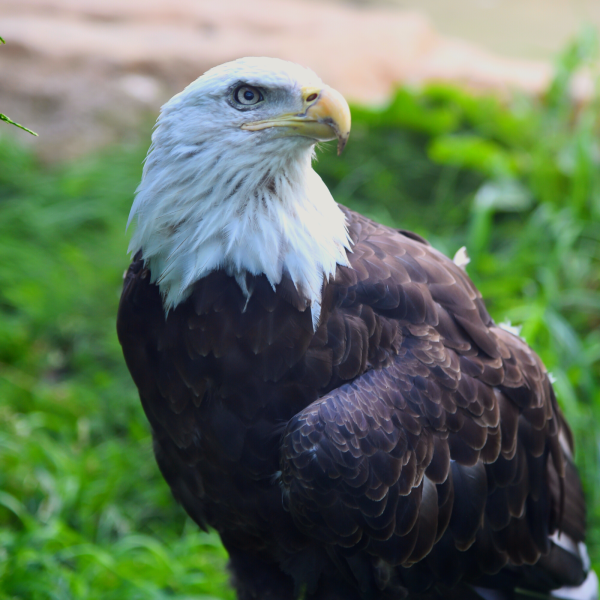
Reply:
x=407 y=445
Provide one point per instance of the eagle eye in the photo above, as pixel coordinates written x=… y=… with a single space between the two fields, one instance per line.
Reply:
x=247 y=95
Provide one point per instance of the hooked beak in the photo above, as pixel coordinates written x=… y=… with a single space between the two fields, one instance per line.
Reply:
x=326 y=116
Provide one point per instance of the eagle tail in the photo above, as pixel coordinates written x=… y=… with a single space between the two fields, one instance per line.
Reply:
x=588 y=590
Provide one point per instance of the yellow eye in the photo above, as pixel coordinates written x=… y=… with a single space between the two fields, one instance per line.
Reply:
x=247 y=95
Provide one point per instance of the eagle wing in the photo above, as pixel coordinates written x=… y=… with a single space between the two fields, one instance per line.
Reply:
x=448 y=452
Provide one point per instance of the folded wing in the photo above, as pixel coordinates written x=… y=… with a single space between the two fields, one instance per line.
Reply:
x=451 y=459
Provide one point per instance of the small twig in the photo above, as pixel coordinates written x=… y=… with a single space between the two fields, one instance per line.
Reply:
x=5 y=118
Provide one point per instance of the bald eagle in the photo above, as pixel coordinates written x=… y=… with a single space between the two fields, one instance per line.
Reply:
x=330 y=394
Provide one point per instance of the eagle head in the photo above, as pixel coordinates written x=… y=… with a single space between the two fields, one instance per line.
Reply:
x=228 y=182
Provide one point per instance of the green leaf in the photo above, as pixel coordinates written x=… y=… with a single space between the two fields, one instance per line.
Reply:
x=505 y=195
x=473 y=152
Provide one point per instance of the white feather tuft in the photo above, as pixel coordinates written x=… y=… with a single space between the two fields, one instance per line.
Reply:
x=461 y=258
x=514 y=329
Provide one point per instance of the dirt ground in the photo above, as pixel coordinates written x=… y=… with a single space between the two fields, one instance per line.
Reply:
x=84 y=73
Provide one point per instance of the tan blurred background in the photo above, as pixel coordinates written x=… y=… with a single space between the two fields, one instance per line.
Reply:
x=518 y=28
x=85 y=73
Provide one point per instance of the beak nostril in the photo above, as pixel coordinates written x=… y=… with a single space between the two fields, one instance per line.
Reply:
x=311 y=97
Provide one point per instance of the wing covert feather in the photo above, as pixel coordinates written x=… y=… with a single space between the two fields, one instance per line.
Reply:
x=447 y=443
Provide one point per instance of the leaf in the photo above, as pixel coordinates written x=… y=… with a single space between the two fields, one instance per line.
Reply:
x=473 y=152
x=505 y=195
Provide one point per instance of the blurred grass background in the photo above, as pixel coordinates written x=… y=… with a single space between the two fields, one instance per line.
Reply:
x=84 y=513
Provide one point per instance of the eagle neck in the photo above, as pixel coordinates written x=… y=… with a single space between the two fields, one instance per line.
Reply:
x=264 y=214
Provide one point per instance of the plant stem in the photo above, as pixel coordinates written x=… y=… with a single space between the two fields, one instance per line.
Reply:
x=5 y=118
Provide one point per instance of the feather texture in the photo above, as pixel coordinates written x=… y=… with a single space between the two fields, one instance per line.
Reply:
x=408 y=445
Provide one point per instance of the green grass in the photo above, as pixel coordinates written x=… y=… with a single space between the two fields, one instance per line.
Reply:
x=84 y=512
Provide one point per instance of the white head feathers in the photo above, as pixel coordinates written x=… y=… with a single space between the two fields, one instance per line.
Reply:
x=214 y=196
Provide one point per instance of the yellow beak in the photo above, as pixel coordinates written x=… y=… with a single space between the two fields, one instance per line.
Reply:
x=326 y=116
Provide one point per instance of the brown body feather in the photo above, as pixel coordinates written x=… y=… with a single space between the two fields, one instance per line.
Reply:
x=408 y=444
